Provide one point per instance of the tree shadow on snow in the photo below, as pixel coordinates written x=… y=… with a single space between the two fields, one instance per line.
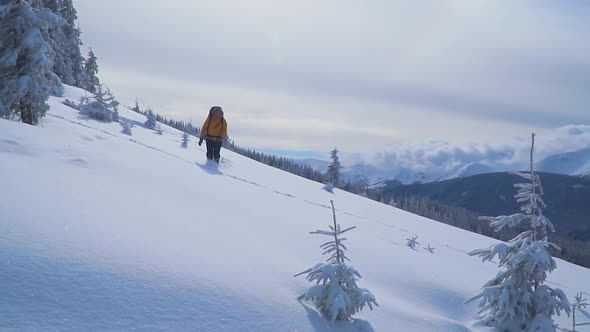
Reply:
x=320 y=324
x=134 y=123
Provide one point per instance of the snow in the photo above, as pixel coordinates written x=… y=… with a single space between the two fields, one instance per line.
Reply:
x=570 y=163
x=471 y=169
x=105 y=231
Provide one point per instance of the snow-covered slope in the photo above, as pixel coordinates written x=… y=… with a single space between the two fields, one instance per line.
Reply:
x=102 y=231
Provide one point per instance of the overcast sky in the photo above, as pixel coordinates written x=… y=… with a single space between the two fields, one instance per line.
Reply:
x=360 y=75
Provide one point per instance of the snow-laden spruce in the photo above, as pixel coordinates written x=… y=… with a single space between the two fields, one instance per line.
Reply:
x=102 y=106
x=517 y=299
x=150 y=121
x=26 y=79
x=91 y=70
x=336 y=294
x=334 y=172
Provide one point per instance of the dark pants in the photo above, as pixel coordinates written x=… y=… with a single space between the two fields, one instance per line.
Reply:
x=213 y=149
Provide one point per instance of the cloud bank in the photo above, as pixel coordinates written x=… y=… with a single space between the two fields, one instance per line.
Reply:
x=434 y=160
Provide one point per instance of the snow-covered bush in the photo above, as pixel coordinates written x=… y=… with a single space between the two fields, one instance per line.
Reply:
x=126 y=127
x=102 y=106
x=336 y=294
x=71 y=104
x=328 y=187
x=185 y=139
x=150 y=121
x=516 y=299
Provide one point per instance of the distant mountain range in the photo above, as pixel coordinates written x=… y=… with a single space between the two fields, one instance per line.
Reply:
x=448 y=167
x=491 y=194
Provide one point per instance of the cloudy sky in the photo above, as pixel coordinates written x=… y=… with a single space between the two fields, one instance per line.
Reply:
x=365 y=76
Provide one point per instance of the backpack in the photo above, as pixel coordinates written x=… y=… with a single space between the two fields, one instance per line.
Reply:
x=213 y=109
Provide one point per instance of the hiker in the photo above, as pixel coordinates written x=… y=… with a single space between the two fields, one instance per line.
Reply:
x=214 y=132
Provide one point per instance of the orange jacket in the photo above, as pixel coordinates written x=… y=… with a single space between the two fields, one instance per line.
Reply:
x=215 y=131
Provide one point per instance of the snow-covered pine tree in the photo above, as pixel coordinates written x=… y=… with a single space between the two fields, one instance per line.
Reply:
x=517 y=299
x=185 y=140
x=26 y=79
x=102 y=106
x=150 y=121
x=112 y=103
x=91 y=69
x=336 y=294
x=333 y=173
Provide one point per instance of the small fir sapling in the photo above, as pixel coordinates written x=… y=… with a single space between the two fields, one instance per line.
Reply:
x=580 y=304
x=516 y=299
x=185 y=140
x=150 y=121
x=336 y=294
x=430 y=249
x=413 y=243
